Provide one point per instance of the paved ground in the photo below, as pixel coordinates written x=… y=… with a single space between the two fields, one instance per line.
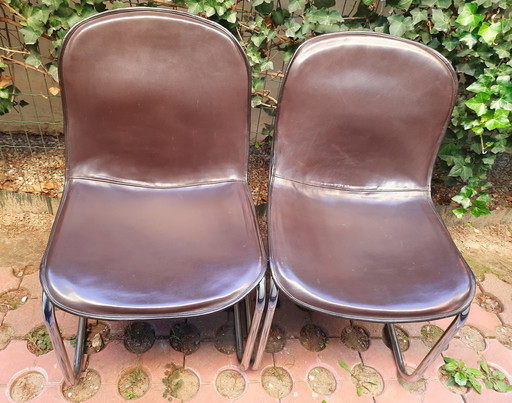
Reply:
x=208 y=363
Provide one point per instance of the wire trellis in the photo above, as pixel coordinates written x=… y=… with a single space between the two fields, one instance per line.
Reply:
x=31 y=137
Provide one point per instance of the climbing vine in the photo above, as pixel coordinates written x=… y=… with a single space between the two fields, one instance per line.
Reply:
x=475 y=36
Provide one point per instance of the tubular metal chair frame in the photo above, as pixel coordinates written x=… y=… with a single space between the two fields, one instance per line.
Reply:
x=252 y=319
x=414 y=376
x=72 y=372
x=460 y=313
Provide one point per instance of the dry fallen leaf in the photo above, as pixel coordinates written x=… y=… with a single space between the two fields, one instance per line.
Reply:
x=54 y=91
x=5 y=81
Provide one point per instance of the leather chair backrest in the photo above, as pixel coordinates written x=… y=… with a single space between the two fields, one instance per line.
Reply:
x=364 y=111
x=155 y=97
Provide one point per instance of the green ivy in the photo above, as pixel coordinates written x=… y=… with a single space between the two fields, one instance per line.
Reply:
x=475 y=36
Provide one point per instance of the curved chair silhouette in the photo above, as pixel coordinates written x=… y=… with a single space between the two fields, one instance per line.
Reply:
x=156 y=220
x=352 y=228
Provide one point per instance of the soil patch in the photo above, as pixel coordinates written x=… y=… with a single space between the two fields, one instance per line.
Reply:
x=38 y=341
x=86 y=387
x=13 y=299
x=225 y=339
x=277 y=382
x=185 y=338
x=97 y=337
x=367 y=380
x=26 y=387
x=230 y=384
x=504 y=335
x=415 y=388
x=313 y=337
x=472 y=338
x=133 y=383
x=486 y=250
x=430 y=334
x=322 y=381
x=356 y=338
x=403 y=338
x=23 y=238
x=180 y=383
x=276 y=339
x=6 y=335
x=139 y=337
x=489 y=303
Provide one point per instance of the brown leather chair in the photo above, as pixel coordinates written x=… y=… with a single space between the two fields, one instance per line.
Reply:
x=156 y=220
x=352 y=228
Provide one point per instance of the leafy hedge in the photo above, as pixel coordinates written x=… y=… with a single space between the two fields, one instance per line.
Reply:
x=475 y=36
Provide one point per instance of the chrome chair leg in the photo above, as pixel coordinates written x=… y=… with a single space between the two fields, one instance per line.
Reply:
x=271 y=308
x=71 y=375
x=255 y=324
x=239 y=343
x=248 y=310
x=438 y=348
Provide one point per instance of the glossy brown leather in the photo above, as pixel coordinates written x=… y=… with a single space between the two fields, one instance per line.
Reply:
x=352 y=228
x=156 y=219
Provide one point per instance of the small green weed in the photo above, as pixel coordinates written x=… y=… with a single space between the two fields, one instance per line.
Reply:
x=361 y=383
x=172 y=382
x=39 y=341
x=494 y=379
x=460 y=375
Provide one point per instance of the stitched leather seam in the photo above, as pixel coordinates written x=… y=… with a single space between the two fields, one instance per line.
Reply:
x=140 y=185
x=354 y=188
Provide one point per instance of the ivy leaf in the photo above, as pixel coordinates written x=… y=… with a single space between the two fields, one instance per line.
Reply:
x=450 y=43
x=266 y=65
x=477 y=212
x=399 y=25
x=441 y=20
x=477 y=103
x=53 y=3
x=459 y=212
x=258 y=39
x=54 y=72
x=499 y=120
x=194 y=7
x=292 y=27
x=279 y=15
x=265 y=8
x=209 y=10
x=34 y=58
x=462 y=171
x=479 y=87
x=465 y=203
x=324 y=3
x=419 y=15
x=469 y=40
x=118 y=4
x=401 y=4
x=256 y=100
x=29 y=35
x=469 y=16
x=295 y=5
x=501 y=103
x=443 y=3
x=489 y=32
x=231 y=17
x=503 y=50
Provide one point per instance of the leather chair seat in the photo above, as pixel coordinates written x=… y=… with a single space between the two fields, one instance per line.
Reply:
x=377 y=256
x=121 y=251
